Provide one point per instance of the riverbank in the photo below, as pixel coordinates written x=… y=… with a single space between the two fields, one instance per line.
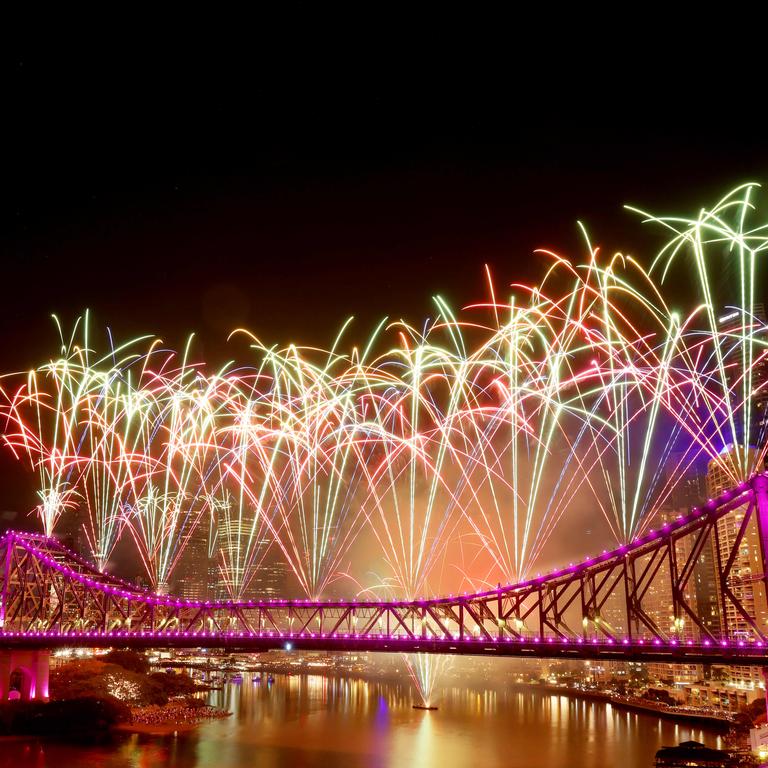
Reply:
x=633 y=704
x=164 y=729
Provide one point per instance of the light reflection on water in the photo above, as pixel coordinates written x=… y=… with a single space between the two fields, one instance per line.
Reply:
x=311 y=720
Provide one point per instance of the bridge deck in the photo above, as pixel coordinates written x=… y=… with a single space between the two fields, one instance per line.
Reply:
x=641 y=650
x=596 y=609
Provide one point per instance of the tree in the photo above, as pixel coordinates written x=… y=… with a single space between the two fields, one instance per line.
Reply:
x=127 y=659
x=97 y=678
x=756 y=709
x=173 y=684
x=660 y=695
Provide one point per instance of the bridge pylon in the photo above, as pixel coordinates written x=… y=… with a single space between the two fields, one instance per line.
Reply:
x=24 y=674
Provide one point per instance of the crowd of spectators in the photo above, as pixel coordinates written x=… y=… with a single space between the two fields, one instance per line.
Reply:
x=183 y=711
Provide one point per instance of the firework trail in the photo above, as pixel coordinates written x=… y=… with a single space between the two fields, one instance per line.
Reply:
x=457 y=447
x=734 y=343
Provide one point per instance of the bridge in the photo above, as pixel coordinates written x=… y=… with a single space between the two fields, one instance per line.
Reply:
x=606 y=607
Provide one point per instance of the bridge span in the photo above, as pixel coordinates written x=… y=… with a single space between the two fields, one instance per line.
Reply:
x=606 y=607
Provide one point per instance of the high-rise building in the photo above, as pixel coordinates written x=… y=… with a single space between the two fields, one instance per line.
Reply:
x=71 y=531
x=689 y=489
x=231 y=538
x=237 y=550
x=745 y=578
x=706 y=588
x=269 y=581
x=658 y=603
x=676 y=674
x=192 y=570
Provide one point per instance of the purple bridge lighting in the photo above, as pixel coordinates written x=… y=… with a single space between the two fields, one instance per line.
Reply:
x=597 y=609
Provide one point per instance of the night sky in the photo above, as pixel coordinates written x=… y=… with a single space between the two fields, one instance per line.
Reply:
x=198 y=194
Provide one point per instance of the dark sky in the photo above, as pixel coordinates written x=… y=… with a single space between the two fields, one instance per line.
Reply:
x=198 y=192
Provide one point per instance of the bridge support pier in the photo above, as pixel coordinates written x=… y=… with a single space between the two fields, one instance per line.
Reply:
x=24 y=675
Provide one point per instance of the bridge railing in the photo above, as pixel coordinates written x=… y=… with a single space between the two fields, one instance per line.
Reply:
x=697 y=582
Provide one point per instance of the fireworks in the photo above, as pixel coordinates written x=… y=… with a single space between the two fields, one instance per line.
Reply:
x=453 y=450
x=425 y=669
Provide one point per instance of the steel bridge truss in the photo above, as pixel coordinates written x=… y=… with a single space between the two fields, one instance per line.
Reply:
x=641 y=601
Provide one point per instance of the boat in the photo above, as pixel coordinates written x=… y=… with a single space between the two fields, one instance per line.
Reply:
x=270 y=679
x=256 y=679
x=424 y=706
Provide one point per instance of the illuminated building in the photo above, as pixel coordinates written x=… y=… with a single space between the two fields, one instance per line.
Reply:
x=747 y=588
x=269 y=581
x=745 y=577
x=192 y=582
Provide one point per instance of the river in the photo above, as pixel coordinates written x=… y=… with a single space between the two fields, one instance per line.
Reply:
x=312 y=721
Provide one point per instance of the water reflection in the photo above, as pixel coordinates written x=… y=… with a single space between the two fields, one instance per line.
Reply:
x=311 y=720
